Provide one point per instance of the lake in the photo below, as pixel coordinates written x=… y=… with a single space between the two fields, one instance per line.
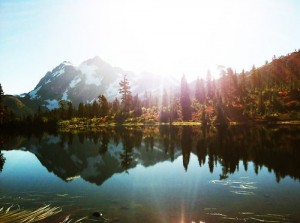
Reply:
x=156 y=174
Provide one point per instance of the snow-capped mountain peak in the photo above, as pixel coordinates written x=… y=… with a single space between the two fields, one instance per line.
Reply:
x=85 y=82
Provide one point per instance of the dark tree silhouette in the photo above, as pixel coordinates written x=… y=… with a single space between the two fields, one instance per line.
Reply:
x=164 y=110
x=2 y=161
x=115 y=106
x=81 y=112
x=185 y=100
x=1 y=104
x=186 y=145
x=70 y=110
x=125 y=92
x=104 y=105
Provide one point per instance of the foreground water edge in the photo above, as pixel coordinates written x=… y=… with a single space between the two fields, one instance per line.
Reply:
x=158 y=174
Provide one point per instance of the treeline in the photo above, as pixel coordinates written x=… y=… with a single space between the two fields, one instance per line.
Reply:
x=270 y=93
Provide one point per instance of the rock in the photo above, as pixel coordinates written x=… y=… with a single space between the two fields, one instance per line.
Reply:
x=97 y=214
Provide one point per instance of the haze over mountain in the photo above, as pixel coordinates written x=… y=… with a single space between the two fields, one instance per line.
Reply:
x=84 y=83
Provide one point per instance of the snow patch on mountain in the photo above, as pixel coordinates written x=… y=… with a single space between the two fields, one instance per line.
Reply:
x=59 y=72
x=90 y=74
x=112 y=90
x=74 y=82
x=65 y=95
x=33 y=93
x=48 y=81
x=52 y=104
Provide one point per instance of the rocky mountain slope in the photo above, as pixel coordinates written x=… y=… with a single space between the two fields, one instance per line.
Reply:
x=84 y=83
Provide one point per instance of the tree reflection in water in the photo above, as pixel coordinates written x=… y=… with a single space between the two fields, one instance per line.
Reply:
x=119 y=149
x=2 y=158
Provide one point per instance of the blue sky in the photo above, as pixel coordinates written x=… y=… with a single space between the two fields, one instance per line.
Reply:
x=168 y=37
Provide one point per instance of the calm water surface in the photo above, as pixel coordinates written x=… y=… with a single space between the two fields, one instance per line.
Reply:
x=157 y=174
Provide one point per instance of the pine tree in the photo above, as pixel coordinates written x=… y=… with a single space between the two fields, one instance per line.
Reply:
x=232 y=82
x=164 y=110
x=70 y=110
x=254 y=77
x=1 y=95
x=115 y=106
x=185 y=100
x=62 y=109
x=200 y=91
x=125 y=92
x=95 y=109
x=104 y=105
x=1 y=104
x=242 y=84
x=261 y=105
x=80 y=112
x=136 y=106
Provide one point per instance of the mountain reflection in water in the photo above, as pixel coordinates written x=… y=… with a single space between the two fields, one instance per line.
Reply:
x=156 y=174
x=97 y=155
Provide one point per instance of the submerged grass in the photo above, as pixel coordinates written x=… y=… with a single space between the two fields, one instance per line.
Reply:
x=43 y=214
x=8 y=215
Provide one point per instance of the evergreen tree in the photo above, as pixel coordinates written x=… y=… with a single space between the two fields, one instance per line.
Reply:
x=232 y=82
x=62 y=109
x=115 y=106
x=185 y=100
x=1 y=95
x=200 y=91
x=261 y=105
x=125 y=92
x=80 y=110
x=1 y=104
x=104 y=105
x=242 y=84
x=70 y=110
x=254 y=77
x=164 y=110
x=221 y=118
x=95 y=109
x=136 y=106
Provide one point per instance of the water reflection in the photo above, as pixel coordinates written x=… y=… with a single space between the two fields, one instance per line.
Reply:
x=97 y=155
x=2 y=158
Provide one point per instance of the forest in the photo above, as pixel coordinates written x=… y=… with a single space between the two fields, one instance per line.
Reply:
x=269 y=93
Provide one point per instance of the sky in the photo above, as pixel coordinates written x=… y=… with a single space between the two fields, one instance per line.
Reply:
x=167 y=37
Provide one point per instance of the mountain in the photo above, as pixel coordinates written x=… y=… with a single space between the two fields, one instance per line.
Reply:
x=16 y=105
x=84 y=83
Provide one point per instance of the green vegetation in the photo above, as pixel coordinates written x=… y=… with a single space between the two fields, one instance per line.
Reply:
x=270 y=93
